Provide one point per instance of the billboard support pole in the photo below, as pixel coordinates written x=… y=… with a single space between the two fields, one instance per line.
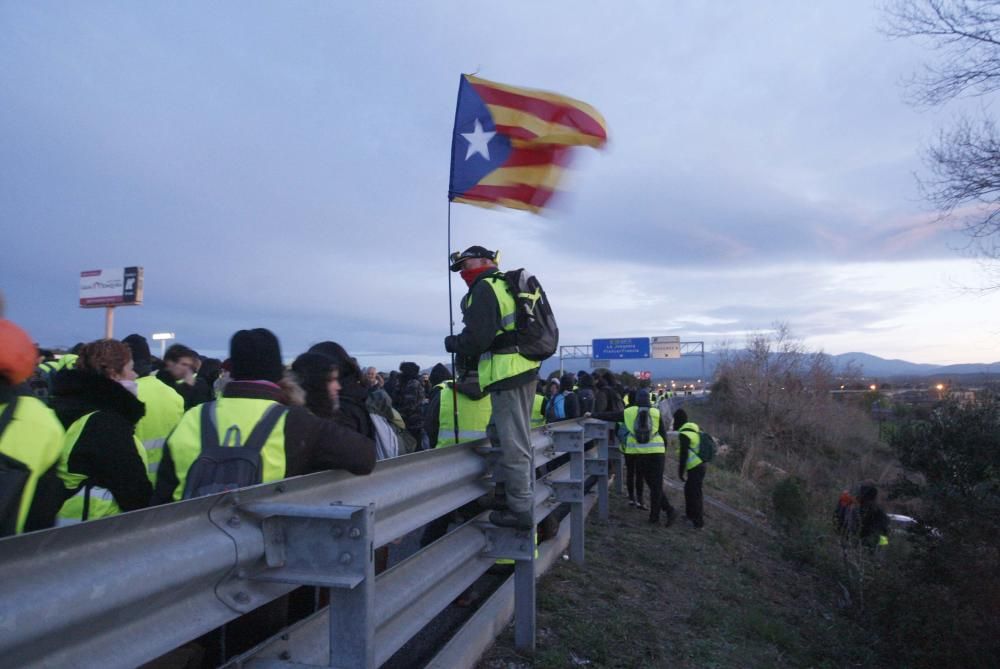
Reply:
x=109 y=322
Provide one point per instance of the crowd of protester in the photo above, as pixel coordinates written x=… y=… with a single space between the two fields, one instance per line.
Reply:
x=121 y=414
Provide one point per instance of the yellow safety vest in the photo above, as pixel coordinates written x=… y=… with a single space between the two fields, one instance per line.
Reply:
x=473 y=417
x=184 y=442
x=34 y=438
x=102 y=501
x=495 y=367
x=537 y=417
x=164 y=408
x=655 y=444
x=694 y=447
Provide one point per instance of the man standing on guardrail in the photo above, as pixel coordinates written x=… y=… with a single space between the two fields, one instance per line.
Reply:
x=489 y=312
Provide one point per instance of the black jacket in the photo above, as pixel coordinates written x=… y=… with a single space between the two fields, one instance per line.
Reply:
x=312 y=444
x=481 y=316
x=106 y=450
x=194 y=395
x=353 y=412
x=432 y=420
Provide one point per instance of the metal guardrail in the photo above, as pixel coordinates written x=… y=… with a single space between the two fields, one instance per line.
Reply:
x=124 y=590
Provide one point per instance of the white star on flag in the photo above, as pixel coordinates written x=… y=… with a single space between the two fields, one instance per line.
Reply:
x=479 y=141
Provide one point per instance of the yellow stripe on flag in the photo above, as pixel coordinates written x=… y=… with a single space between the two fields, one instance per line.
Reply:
x=547 y=133
x=545 y=176
x=544 y=95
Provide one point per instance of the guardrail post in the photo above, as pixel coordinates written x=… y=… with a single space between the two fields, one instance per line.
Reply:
x=596 y=431
x=332 y=547
x=616 y=461
x=570 y=439
x=517 y=545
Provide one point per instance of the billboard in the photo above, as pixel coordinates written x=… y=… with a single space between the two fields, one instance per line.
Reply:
x=665 y=347
x=620 y=349
x=111 y=287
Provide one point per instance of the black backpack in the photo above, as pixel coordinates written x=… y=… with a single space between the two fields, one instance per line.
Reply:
x=707 y=447
x=535 y=335
x=642 y=427
x=233 y=464
x=13 y=475
x=586 y=397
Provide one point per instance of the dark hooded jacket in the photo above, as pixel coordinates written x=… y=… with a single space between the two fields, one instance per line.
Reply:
x=571 y=401
x=409 y=398
x=106 y=449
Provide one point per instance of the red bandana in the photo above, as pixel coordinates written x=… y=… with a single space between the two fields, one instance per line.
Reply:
x=469 y=275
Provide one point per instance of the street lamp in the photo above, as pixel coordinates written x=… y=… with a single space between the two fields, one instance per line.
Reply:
x=162 y=337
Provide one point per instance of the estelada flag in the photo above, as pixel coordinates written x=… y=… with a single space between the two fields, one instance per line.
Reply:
x=510 y=145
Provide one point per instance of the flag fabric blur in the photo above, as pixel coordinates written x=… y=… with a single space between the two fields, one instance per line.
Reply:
x=510 y=145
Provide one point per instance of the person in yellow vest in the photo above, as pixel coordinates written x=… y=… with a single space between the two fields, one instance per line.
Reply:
x=488 y=311
x=164 y=407
x=31 y=439
x=646 y=441
x=538 y=406
x=298 y=442
x=474 y=408
x=690 y=467
x=103 y=463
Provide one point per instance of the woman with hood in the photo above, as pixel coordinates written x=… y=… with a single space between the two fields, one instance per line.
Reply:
x=348 y=407
x=103 y=464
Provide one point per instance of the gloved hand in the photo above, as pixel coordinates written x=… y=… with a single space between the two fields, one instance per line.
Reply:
x=450 y=344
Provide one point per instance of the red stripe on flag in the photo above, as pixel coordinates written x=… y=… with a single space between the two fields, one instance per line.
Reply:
x=543 y=109
x=536 y=197
x=549 y=155
x=515 y=131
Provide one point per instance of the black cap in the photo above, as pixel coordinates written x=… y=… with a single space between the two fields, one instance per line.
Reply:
x=141 y=358
x=472 y=252
x=255 y=356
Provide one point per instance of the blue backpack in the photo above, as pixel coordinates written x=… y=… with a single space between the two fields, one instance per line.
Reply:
x=556 y=409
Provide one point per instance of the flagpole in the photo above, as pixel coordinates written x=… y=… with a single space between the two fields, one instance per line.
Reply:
x=451 y=331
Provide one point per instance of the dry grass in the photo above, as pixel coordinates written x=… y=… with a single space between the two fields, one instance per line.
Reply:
x=658 y=597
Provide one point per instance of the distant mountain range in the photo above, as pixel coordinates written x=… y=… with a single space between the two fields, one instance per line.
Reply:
x=691 y=367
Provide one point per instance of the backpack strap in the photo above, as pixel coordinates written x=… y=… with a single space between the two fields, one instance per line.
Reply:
x=8 y=414
x=209 y=431
x=262 y=430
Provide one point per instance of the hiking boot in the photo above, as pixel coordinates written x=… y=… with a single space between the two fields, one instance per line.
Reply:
x=519 y=520
x=631 y=502
x=641 y=506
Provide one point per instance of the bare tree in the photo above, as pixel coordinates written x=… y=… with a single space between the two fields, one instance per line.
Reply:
x=965 y=159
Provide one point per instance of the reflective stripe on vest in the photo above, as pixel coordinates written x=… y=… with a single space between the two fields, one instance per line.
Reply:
x=693 y=433
x=184 y=442
x=655 y=444
x=102 y=501
x=102 y=504
x=495 y=367
x=473 y=417
x=164 y=408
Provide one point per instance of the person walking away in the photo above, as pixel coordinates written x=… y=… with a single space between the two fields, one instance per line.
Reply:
x=31 y=439
x=690 y=467
x=571 y=403
x=645 y=442
x=409 y=400
x=164 y=407
x=103 y=464
x=488 y=311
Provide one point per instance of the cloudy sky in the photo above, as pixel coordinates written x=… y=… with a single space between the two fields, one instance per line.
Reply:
x=285 y=165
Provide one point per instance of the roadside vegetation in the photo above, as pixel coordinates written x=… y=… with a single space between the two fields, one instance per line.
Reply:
x=768 y=582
